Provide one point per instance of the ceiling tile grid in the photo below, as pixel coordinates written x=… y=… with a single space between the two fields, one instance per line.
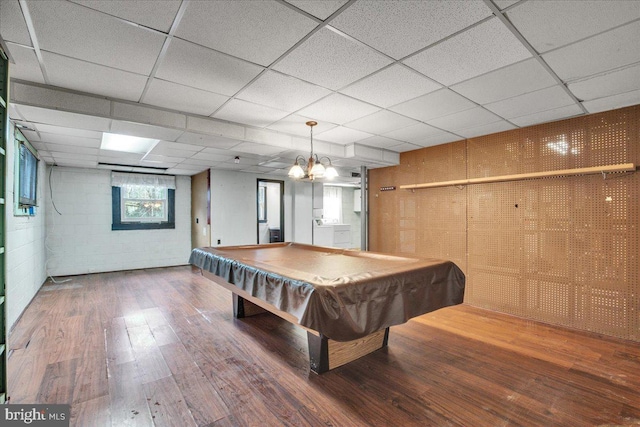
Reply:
x=391 y=86
x=72 y=30
x=281 y=91
x=320 y=9
x=202 y=68
x=157 y=14
x=258 y=32
x=402 y=28
x=331 y=60
x=551 y=24
x=226 y=78
x=485 y=47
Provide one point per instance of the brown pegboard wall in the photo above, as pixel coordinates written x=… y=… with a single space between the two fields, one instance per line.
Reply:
x=562 y=250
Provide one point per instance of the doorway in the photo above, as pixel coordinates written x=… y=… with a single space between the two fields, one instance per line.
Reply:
x=201 y=210
x=270 y=211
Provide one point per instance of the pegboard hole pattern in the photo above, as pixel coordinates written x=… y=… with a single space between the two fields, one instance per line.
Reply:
x=561 y=250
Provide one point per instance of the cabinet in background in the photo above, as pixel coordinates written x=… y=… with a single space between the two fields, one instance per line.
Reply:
x=357 y=200
x=335 y=235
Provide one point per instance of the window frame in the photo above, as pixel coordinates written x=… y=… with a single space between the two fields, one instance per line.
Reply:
x=165 y=201
x=116 y=214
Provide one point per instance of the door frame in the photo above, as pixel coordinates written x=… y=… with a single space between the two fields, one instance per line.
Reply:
x=275 y=181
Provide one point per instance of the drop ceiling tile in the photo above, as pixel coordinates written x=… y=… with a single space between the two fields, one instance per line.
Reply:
x=144 y=131
x=276 y=164
x=259 y=149
x=26 y=65
x=192 y=163
x=433 y=105
x=211 y=157
x=440 y=138
x=600 y=53
x=391 y=86
x=608 y=84
x=105 y=40
x=319 y=9
x=487 y=129
x=414 y=133
x=381 y=122
x=343 y=135
x=165 y=159
x=109 y=156
x=338 y=109
x=228 y=166
x=249 y=113
x=503 y=4
x=404 y=147
x=60 y=139
x=295 y=125
x=202 y=68
x=91 y=78
x=63 y=118
x=184 y=172
x=483 y=48
x=282 y=92
x=205 y=140
x=175 y=149
x=379 y=142
x=158 y=14
x=257 y=31
x=71 y=148
x=530 y=103
x=507 y=82
x=209 y=126
x=330 y=60
x=14 y=29
x=547 y=115
x=60 y=155
x=613 y=102
x=183 y=98
x=71 y=163
x=256 y=169
x=473 y=117
x=550 y=24
x=44 y=128
x=401 y=28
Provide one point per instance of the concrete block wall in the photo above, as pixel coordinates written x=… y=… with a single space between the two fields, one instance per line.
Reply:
x=25 y=244
x=79 y=237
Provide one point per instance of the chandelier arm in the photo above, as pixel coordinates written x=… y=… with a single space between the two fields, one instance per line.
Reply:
x=325 y=157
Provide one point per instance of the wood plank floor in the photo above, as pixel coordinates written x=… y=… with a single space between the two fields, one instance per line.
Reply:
x=160 y=347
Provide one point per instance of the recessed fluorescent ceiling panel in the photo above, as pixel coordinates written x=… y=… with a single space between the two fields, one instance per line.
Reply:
x=126 y=143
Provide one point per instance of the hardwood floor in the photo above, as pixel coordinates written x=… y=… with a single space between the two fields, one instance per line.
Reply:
x=160 y=347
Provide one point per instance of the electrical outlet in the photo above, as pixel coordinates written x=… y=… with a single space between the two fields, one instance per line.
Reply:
x=219 y=241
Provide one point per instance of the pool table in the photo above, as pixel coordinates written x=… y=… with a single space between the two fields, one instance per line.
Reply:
x=345 y=299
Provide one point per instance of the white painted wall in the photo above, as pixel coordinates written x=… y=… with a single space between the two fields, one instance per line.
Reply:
x=350 y=217
x=25 y=244
x=303 y=212
x=80 y=240
x=233 y=208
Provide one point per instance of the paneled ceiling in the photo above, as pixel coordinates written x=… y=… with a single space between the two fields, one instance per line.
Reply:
x=215 y=80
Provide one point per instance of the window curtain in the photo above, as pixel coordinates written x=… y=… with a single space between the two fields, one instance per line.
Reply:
x=118 y=179
x=332 y=203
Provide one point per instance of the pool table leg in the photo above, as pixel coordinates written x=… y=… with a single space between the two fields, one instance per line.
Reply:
x=326 y=354
x=245 y=308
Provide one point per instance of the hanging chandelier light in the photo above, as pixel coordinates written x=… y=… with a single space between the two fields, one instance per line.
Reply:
x=312 y=168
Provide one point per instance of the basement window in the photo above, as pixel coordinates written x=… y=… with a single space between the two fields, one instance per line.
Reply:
x=142 y=201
